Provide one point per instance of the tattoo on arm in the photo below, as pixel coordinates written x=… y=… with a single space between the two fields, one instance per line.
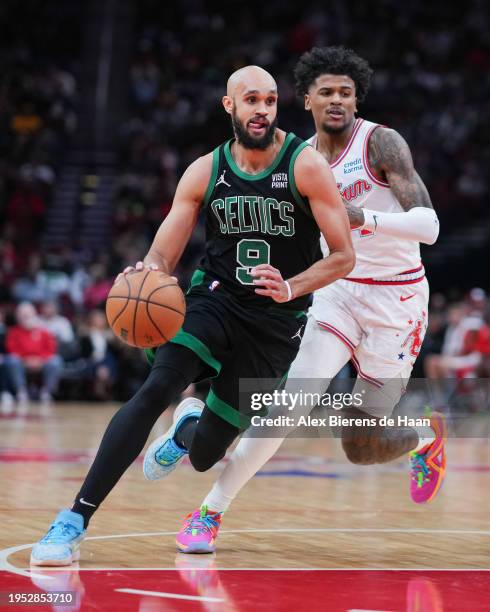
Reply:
x=355 y=214
x=390 y=158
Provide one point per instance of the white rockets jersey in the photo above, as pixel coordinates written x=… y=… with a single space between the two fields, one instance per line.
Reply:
x=377 y=256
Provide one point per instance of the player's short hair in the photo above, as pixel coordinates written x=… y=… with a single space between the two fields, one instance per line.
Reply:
x=332 y=60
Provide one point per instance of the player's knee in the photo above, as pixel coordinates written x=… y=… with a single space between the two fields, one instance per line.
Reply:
x=160 y=389
x=360 y=452
x=202 y=463
x=204 y=454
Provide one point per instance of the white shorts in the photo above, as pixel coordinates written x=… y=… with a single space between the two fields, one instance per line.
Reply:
x=383 y=326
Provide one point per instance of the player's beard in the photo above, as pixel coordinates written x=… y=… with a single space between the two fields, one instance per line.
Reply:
x=336 y=129
x=249 y=142
x=330 y=129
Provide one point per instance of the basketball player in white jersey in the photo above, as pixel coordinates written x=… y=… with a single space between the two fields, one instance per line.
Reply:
x=377 y=316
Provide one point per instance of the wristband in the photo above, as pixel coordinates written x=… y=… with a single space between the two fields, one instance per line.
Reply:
x=370 y=220
x=290 y=293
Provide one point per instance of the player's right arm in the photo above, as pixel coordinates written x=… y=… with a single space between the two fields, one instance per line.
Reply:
x=390 y=157
x=175 y=231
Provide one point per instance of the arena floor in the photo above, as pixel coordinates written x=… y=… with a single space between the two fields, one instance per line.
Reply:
x=310 y=532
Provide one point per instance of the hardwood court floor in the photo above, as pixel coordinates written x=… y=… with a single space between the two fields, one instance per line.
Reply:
x=309 y=509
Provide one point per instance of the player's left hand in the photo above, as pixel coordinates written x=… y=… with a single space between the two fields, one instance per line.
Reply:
x=355 y=214
x=271 y=283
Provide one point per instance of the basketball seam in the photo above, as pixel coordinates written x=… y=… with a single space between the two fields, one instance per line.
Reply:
x=163 y=287
x=135 y=316
x=126 y=297
x=153 y=322
x=149 y=302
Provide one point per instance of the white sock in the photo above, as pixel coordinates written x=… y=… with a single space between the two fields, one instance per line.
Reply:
x=247 y=459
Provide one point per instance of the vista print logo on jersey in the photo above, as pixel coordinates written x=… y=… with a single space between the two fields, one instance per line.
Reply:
x=280 y=180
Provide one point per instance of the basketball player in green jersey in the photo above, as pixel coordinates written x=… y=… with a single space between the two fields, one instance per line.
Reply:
x=265 y=195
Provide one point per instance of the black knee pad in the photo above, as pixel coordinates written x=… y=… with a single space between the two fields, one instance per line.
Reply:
x=202 y=456
x=212 y=438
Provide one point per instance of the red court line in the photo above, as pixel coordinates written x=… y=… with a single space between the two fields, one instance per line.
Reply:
x=39 y=455
x=284 y=590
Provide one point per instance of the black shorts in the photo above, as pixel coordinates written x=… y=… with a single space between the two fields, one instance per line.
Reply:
x=236 y=341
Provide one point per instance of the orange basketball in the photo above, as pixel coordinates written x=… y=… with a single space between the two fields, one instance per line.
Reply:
x=145 y=308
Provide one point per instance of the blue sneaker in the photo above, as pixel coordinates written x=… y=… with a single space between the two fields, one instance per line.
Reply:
x=164 y=454
x=61 y=545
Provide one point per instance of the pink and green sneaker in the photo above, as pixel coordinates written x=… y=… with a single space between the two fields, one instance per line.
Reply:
x=199 y=532
x=428 y=465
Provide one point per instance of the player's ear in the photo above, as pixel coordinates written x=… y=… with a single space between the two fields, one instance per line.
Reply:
x=307 y=102
x=228 y=104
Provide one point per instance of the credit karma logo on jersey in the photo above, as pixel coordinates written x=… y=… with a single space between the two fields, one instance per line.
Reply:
x=352 y=166
x=354 y=190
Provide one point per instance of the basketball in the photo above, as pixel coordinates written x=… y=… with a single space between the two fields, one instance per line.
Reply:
x=145 y=308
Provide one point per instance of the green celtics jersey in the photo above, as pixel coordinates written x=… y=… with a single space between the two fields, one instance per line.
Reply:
x=253 y=219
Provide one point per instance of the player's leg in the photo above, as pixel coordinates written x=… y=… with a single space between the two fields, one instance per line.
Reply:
x=395 y=330
x=370 y=444
x=384 y=361
x=330 y=334
x=319 y=359
x=210 y=329
x=379 y=444
x=174 y=368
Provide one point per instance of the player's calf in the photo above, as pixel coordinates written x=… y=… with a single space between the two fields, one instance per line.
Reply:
x=369 y=444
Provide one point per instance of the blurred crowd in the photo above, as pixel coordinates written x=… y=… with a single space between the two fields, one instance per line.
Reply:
x=430 y=83
x=457 y=343
x=431 y=64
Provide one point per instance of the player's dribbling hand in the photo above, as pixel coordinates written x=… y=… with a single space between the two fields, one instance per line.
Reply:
x=271 y=283
x=140 y=265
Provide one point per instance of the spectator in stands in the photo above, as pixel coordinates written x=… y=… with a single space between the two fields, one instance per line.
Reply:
x=26 y=209
x=31 y=350
x=27 y=120
x=55 y=323
x=95 y=345
x=96 y=294
x=483 y=345
x=28 y=287
x=457 y=356
x=6 y=399
x=61 y=328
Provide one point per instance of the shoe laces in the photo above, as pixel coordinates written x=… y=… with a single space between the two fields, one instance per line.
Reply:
x=200 y=521
x=168 y=453
x=60 y=532
x=420 y=471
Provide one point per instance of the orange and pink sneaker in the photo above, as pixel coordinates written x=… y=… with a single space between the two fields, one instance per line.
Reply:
x=199 y=532
x=428 y=465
